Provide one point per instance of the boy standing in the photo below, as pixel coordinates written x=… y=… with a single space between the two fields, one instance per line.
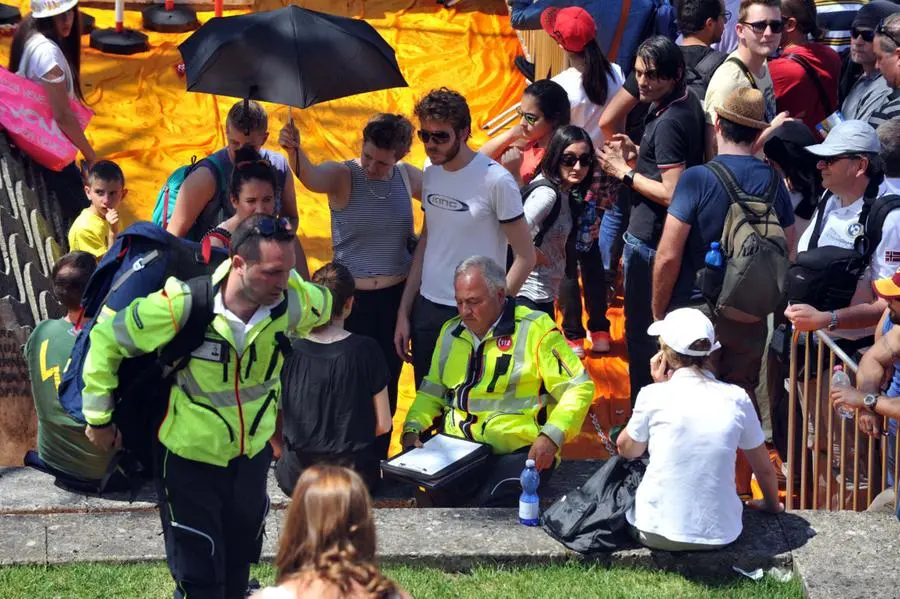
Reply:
x=96 y=227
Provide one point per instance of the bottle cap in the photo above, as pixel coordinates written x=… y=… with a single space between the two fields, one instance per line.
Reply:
x=839 y=368
x=529 y=463
x=714 y=245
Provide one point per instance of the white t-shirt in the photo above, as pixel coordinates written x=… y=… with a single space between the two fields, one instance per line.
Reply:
x=584 y=113
x=840 y=228
x=463 y=212
x=693 y=425
x=39 y=57
x=542 y=284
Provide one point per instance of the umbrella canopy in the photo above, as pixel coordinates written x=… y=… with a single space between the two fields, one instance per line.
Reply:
x=289 y=56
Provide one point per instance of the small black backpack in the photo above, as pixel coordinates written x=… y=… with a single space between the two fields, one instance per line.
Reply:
x=826 y=277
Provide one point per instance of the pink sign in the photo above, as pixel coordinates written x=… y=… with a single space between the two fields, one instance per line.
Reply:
x=26 y=116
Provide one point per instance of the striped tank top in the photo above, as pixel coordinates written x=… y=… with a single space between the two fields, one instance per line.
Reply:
x=370 y=235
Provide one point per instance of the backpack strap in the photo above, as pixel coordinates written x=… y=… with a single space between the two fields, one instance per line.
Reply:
x=811 y=73
x=746 y=71
x=736 y=194
x=551 y=217
x=404 y=174
x=191 y=336
x=817 y=225
x=874 y=223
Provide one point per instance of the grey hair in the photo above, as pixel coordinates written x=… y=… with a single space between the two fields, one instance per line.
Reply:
x=891 y=25
x=493 y=273
x=889 y=136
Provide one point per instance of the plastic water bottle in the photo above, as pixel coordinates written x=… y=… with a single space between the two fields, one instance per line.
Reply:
x=840 y=379
x=714 y=258
x=529 y=502
x=584 y=239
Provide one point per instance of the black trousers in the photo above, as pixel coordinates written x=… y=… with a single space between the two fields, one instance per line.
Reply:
x=496 y=484
x=292 y=463
x=594 y=278
x=213 y=520
x=375 y=315
x=426 y=322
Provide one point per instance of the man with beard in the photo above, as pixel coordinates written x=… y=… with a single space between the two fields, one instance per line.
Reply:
x=472 y=207
x=870 y=90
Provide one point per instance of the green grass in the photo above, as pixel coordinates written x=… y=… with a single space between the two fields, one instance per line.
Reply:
x=151 y=581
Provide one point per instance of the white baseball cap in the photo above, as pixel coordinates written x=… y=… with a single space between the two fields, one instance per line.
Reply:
x=681 y=328
x=41 y=9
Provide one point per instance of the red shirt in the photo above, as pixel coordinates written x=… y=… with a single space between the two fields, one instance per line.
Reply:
x=796 y=92
x=531 y=160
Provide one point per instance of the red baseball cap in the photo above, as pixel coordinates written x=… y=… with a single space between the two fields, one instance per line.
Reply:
x=571 y=27
x=888 y=287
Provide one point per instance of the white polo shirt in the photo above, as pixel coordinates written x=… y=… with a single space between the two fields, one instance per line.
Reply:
x=693 y=425
x=840 y=227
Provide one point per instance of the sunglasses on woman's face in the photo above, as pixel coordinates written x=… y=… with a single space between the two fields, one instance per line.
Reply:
x=570 y=160
x=528 y=117
x=439 y=137
x=759 y=27
x=866 y=34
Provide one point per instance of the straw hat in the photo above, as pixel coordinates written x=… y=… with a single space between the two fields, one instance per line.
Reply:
x=744 y=106
x=42 y=9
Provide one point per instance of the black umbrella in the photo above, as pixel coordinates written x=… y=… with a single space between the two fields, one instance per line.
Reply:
x=289 y=56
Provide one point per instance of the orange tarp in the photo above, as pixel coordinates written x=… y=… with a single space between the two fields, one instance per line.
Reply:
x=149 y=124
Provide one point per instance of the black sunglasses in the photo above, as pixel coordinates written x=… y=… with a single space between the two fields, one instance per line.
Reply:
x=268 y=228
x=569 y=160
x=881 y=30
x=829 y=160
x=528 y=117
x=867 y=34
x=759 y=27
x=439 y=137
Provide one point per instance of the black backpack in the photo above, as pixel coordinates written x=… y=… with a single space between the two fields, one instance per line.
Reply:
x=697 y=77
x=591 y=518
x=826 y=277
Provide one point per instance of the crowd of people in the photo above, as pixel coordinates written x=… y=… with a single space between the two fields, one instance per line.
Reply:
x=749 y=138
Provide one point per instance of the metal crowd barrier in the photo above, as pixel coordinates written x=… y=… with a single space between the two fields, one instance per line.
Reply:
x=846 y=485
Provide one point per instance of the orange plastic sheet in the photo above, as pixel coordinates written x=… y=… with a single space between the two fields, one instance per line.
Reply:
x=149 y=124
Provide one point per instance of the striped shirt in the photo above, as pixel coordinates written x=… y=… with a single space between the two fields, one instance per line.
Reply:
x=370 y=234
x=835 y=17
x=888 y=110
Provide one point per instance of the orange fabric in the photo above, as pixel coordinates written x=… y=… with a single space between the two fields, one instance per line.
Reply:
x=146 y=121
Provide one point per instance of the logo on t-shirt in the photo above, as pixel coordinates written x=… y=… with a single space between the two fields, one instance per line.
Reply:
x=447 y=203
x=855 y=230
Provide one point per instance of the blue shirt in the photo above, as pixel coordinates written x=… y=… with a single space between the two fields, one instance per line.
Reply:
x=700 y=201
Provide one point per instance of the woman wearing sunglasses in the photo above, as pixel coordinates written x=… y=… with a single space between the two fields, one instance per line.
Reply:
x=563 y=180
x=251 y=191
x=543 y=109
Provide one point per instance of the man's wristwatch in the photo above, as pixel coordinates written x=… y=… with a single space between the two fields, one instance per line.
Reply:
x=869 y=401
x=628 y=179
x=834 y=321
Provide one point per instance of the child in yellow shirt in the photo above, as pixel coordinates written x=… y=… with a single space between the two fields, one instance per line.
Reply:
x=96 y=227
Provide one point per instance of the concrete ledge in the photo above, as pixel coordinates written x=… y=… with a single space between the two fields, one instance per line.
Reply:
x=28 y=491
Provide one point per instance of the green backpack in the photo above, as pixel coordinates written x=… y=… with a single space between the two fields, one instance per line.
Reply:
x=212 y=213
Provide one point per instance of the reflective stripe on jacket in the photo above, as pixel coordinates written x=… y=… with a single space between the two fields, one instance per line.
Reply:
x=521 y=381
x=222 y=405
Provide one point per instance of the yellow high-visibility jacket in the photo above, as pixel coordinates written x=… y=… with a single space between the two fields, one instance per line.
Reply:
x=521 y=381
x=222 y=404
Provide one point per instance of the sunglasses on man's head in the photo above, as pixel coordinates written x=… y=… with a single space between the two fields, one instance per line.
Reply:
x=759 y=27
x=439 y=137
x=866 y=34
x=882 y=30
x=268 y=228
x=528 y=117
x=569 y=160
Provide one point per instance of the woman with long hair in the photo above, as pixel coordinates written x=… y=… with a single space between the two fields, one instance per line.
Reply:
x=543 y=109
x=335 y=397
x=327 y=547
x=563 y=181
x=251 y=190
x=46 y=49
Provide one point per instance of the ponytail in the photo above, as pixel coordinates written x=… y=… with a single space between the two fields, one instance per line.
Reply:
x=597 y=71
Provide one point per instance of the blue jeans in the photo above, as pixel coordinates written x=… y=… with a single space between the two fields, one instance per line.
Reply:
x=611 y=229
x=638 y=257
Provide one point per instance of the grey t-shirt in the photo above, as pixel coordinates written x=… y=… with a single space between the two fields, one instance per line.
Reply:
x=542 y=284
x=865 y=97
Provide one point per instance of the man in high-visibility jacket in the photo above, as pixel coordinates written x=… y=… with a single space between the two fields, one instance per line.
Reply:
x=504 y=375
x=222 y=408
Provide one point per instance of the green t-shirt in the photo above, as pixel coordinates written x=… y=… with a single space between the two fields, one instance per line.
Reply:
x=61 y=441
